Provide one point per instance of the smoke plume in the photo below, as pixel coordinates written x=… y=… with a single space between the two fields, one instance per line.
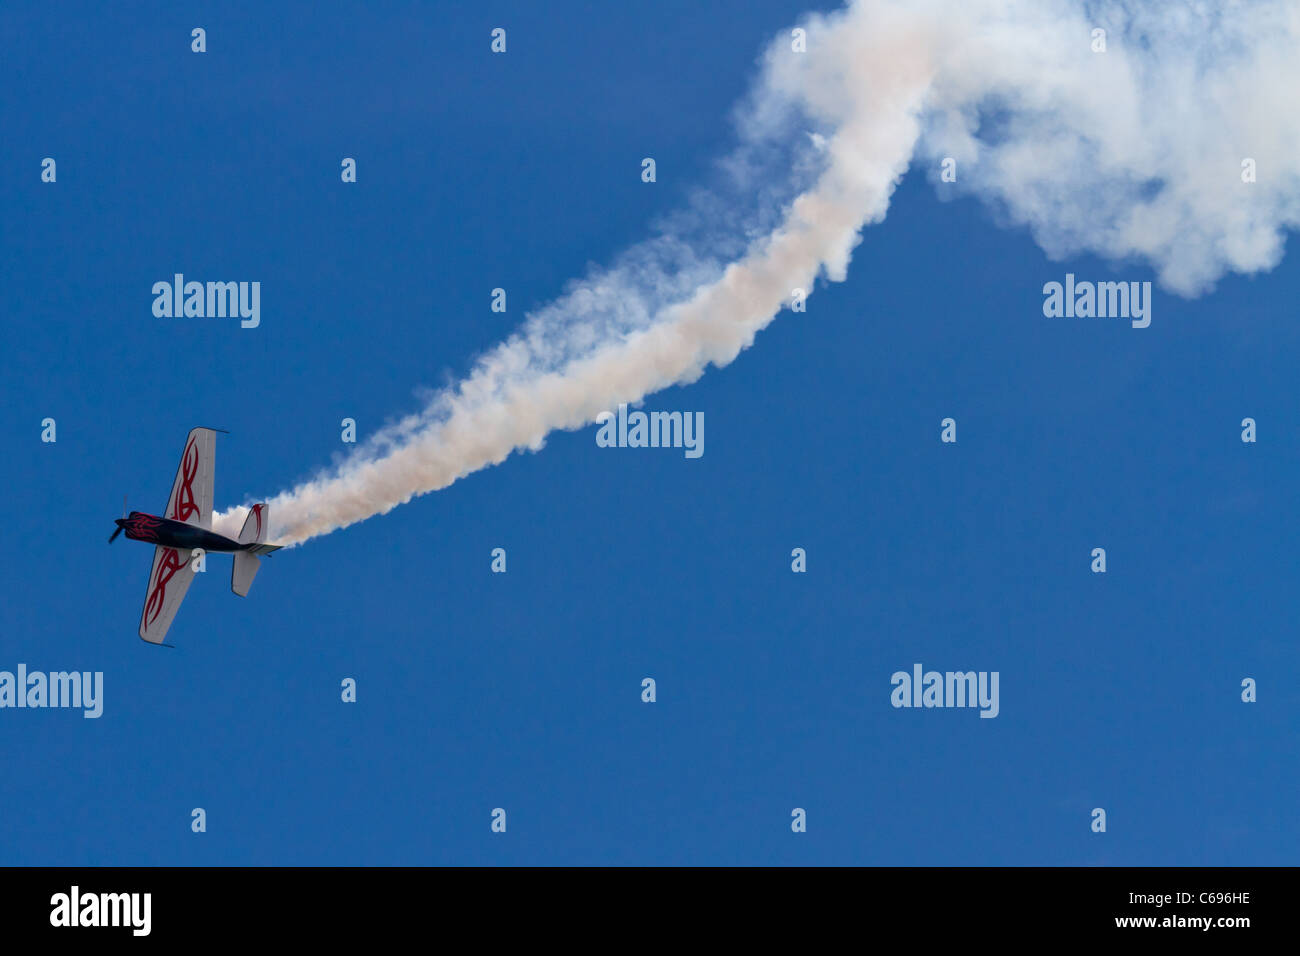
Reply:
x=1131 y=151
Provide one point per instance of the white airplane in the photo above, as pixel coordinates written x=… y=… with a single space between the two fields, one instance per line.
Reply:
x=185 y=533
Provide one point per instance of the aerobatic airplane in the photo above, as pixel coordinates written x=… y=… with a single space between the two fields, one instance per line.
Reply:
x=185 y=532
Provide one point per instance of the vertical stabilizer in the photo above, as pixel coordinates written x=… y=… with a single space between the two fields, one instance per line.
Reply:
x=246 y=563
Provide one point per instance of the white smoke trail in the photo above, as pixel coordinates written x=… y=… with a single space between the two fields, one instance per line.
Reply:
x=1134 y=152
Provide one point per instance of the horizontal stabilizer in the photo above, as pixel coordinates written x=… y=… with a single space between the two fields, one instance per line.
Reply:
x=245 y=569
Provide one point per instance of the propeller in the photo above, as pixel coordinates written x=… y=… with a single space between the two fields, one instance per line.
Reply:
x=113 y=536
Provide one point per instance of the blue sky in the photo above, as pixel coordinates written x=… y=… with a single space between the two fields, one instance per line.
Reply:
x=522 y=691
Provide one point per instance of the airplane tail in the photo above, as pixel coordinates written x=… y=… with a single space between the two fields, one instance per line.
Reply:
x=253 y=533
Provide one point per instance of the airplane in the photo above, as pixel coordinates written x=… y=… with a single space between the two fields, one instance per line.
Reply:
x=187 y=528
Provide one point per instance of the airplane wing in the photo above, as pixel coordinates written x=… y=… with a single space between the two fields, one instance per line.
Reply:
x=191 y=497
x=168 y=581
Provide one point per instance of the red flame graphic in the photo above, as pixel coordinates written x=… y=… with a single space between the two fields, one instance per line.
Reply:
x=185 y=506
x=170 y=564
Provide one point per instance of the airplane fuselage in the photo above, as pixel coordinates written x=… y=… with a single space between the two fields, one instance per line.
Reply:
x=176 y=534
